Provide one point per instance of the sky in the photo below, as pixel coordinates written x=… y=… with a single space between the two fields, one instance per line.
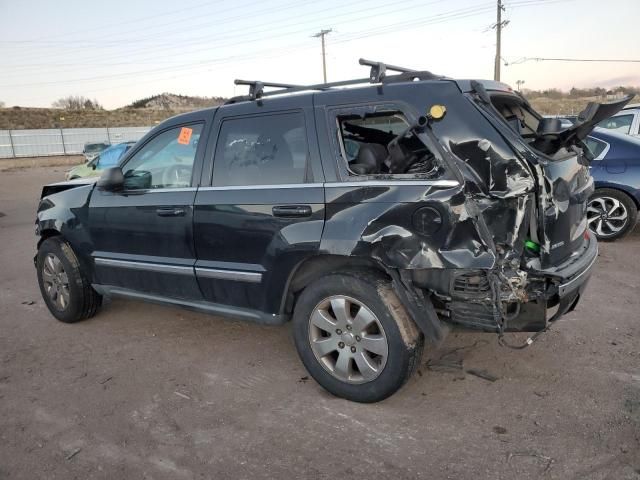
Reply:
x=118 y=51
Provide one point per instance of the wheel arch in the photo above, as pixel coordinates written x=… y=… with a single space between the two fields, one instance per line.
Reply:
x=46 y=234
x=618 y=188
x=312 y=268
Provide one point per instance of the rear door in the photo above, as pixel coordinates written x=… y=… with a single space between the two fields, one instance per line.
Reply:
x=263 y=211
x=143 y=235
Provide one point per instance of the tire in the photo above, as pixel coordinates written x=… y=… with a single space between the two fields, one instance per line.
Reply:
x=353 y=293
x=611 y=214
x=65 y=289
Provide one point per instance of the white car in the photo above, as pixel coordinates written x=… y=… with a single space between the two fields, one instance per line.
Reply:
x=626 y=121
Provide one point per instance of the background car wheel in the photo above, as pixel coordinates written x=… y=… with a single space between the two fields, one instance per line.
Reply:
x=65 y=289
x=355 y=337
x=611 y=214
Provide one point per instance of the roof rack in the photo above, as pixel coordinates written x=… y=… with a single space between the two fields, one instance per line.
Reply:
x=378 y=74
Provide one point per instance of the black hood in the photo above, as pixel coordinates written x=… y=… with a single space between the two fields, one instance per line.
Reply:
x=61 y=186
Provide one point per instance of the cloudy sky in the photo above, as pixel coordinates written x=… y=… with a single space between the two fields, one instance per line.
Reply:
x=120 y=50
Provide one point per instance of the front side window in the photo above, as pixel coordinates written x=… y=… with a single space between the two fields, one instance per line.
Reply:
x=166 y=161
x=261 y=150
x=381 y=143
x=619 y=123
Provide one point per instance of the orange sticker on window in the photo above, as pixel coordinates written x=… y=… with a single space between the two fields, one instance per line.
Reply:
x=185 y=136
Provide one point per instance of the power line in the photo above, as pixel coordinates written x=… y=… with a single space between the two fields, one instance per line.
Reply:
x=267 y=27
x=541 y=59
x=208 y=48
x=390 y=28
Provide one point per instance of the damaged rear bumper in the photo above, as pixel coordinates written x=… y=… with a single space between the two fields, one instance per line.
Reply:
x=485 y=300
x=569 y=280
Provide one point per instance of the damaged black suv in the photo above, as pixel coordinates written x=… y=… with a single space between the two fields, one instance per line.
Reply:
x=370 y=216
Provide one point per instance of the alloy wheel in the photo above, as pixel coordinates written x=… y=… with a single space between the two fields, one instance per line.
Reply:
x=607 y=216
x=56 y=281
x=348 y=340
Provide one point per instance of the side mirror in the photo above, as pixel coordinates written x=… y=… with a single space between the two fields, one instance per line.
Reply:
x=111 y=179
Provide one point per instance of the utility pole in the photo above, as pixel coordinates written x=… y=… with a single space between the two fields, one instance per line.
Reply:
x=498 y=26
x=322 y=33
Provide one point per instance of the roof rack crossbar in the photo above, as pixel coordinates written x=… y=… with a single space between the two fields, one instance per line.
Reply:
x=379 y=69
x=377 y=75
x=256 y=87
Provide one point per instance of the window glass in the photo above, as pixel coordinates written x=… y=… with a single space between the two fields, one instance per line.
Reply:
x=596 y=147
x=262 y=150
x=109 y=157
x=619 y=123
x=378 y=143
x=166 y=161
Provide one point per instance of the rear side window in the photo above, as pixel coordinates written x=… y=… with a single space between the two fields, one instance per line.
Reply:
x=378 y=142
x=596 y=147
x=261 y=150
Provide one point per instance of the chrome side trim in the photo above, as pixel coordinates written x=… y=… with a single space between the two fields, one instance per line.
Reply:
x=146 y=266
x=162 y=190
x=604 y=152
x=395 y=183
x=262 y=187
x=364 y=183
x=251 y=277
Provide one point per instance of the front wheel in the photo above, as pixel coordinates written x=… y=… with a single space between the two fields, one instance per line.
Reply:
x=355 y=337
x=65 y=289
x=611 y=214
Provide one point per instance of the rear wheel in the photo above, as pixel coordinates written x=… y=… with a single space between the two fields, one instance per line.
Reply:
x=355 y=337
x=611 y=214
x=66 y=291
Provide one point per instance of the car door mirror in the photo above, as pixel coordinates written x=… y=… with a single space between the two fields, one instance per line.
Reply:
x=137 y=180
x=111 y=179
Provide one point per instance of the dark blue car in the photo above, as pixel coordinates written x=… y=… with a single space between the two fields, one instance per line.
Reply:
x=613 y=208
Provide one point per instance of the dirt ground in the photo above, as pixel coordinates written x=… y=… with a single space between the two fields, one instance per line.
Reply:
x=143 y=391
x=13 y=164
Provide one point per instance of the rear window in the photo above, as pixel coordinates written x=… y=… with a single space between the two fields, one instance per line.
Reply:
x=262 y=150
x=94 y=147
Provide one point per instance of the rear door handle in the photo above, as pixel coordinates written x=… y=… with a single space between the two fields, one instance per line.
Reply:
x=170 y=212
x=292 y=211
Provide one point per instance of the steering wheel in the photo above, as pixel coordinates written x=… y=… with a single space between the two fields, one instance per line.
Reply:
x=177 y=176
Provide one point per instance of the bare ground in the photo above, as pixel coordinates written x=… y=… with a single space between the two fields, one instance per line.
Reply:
x=143 y=391
x=11 y=164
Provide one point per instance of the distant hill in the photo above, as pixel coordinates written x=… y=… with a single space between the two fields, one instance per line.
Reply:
x=143 y=112
x=171 y=101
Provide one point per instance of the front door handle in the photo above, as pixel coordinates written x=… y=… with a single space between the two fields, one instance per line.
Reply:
x=292 y=211
x=170 y=212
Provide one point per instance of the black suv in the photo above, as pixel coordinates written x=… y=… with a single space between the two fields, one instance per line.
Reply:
x=368 y=215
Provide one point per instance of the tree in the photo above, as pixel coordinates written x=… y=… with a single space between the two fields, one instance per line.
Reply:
x=1 y=104
x=77 y=102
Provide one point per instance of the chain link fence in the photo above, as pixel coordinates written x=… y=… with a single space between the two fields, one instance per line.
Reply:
x=62 y=141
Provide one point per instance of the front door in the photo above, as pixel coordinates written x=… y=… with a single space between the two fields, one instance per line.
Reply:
x=143 y=235
x=264 y=210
